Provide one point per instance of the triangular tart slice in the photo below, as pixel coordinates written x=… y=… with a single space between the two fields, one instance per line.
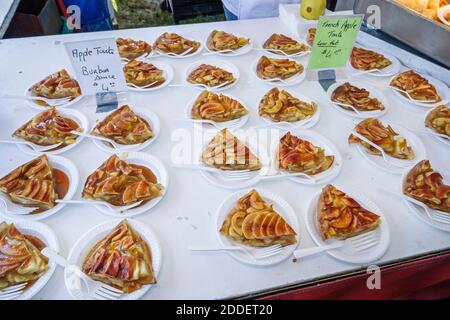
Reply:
x=255 y=223
x=57 y=85
x=124 y=126
x=31 y=184
x=340 y=216
x=122 y=259
x=426 y=185
x=225 y=151
x=416 y=86
x=280 y=42
x=276 y=69
x=221 y=40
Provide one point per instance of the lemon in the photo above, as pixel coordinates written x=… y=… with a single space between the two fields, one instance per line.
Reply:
x=312 y=9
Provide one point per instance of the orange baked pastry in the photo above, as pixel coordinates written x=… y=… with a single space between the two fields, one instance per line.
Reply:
x=172 y=43
x=255 y=223
x=426 y=185
x=340 y=216
x=217 y=108
x=311 y=35
x=225 y=151
x=120 y=183
x=417 y=86
x=21 y=260
x=57 y=85
x=359 y=98
x=270 y=68
x=384 y=137
x=47 y=128
x=142 y=74
x=297 y=155
x=279 y=42
x=439 y=120
x=122 y=259
x=131 y=49
x=221 y=40
x=363 y=59
x=279 y=106
x=210 y=76
x=124 y=126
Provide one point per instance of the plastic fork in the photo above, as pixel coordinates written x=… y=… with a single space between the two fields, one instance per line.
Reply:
x=13 y=208
x=51 y=102
x=274 y=80
x=218 y=52
x=355 y=244
x=368 y=71
x=35 y=147
x=436 y=215
x=112 y=142
x=289 y=124
x=96 y=289
x=176 y=54
x=102 y=203
x=225 y=174
x=364 y=113
x=409 y=96
x=12 y=292
x=288 y=175
x=261 y=254
x=218 y=125
x=200 y=85
x=141 y=87
x=299 y=54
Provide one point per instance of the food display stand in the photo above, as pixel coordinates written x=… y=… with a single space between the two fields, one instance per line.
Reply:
x=187 y=213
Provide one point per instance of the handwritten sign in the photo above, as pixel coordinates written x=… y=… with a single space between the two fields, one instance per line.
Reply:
x=334 y=41
x=97 y=66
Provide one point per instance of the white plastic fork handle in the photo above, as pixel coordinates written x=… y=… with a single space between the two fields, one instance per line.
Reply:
x=302 y=253
x=53 y=255
x=226 y=248
x=187 y=166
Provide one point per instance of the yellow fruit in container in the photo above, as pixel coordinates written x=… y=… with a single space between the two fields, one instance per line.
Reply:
x=312 y=9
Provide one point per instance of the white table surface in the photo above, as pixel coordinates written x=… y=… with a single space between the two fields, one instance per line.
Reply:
x=186 y=214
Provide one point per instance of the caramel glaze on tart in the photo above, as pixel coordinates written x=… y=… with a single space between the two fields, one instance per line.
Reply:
x=210 y=76
x=426 y=185
x=359 y=98
x=439 y=120
x=271 y=68
x=132 y=49
x=217 y=107
x=255 y=223
x=298 y=155
x=142 y=74
x=363 y=59
x=417 y=86
x=280 y=42
x=279 y=106
x=176 y=44
x=57 y=85
x=385 y=137
x=221 y=40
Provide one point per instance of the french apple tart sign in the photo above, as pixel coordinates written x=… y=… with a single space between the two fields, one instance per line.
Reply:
x=98 y=68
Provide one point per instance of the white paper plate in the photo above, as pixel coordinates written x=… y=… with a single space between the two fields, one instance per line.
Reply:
x=233 y=124
x=296 y=79
x=227 y=66
x=157 y=168
x=45 y=234
x=71 y=171
x=304 y=124
x=186 y=36
x=377 y=161
x=374 y=253
x=279 y=205
x=255 y=176
x=374 y=93
x=281 y=55
x=167 y=73
x=75 y=115
x=37 y=106
x=87 y=240
x=320 y=141
x=441 y=88
x=389 y=71
x=239 y=52
x=149 y=116
x=418 y=211
x=433 y=133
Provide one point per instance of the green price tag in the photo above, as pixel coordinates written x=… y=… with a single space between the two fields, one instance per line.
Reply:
x=334 y=41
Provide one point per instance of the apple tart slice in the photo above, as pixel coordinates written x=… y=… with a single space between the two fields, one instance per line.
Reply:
x=47 y=128
x=143 y=74
x=363 y=59
x=221 y=40
x=311 y=35
x=217 y=107
x=271 y=68
x=426 y=185
x=210 y=76
x=131 y=49
x=124 y=126
x=297 y=155
x=31 y=184
x=417 y=86
x=122 y=259
x=255 y=223
x=438 y=120
x=172 y=43
x=21 y=260
x=225 y=151
x=359 y=98
x=340 y=216
x=280 y=42
x=120 y=183
x=281 y=106
x=57 y=85
x=385 y=137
